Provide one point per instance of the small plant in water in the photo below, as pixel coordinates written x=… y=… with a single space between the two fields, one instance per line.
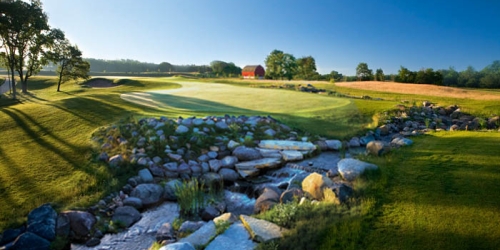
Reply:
x=191 y=197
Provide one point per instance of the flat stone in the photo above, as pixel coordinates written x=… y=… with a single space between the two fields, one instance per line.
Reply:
x=246 y=173
x=291 y=155
x=246 y=154
x=269 y=153
x=287 y=145
x=261 y=230
x=402 y=142
x=259 y=164
x=178 y=246
x=202 y=236
x=226 y=217
x=235 y=235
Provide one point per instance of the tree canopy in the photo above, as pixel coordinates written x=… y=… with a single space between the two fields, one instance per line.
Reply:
x=280 y=65
x=363 y=72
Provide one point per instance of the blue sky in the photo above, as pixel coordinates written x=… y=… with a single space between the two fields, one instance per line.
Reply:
x=338 y=34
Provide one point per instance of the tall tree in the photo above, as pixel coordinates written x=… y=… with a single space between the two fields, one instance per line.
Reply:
x=306 y=68
x=336 y=76
x=23 y=29
x=363 y=72
x=71 y=65
x=405 y=75
x=165 y=67
x=280 y=65
x=379 y=75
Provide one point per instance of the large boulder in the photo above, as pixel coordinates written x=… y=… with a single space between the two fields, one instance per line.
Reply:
x=290 y=194
x=235 y=235
x=10 y=235
x=377 y=148
x=81 y=223
x=350 y=169
x=314 y=184
x=261 y=230
x=133 y=202
x=30 y=241
x=148 y=193
x=268 y=199
x=202 y=236
x=42 y=222
x=287 y=145
x=238 y=203
x=127 y=215
x=246 y=154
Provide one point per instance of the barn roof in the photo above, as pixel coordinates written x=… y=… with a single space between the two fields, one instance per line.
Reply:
x=250 y=68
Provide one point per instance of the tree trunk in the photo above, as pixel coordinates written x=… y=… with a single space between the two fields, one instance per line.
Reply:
x=13 y=83
x=25 y=85
x=60 y=79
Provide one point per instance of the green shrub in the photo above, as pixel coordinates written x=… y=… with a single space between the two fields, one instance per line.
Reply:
x=190 y=197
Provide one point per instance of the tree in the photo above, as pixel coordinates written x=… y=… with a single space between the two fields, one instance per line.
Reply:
x=450 y=76
x=165 y=67
x=306 y=68
x=379 y=75
x=336 y=76
x=469 y=78
x=23 y=30
x=363 y=72
x=280 y=65
x=491 y=76
x=71 y=65
x=405 y=75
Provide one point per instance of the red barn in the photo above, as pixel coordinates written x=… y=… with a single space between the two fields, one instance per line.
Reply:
x=253 y=71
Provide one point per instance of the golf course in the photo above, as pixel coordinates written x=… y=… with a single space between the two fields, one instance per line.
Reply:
x=440 y=193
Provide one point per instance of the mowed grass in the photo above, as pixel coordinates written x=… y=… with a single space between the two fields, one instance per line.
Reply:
x=440 y=193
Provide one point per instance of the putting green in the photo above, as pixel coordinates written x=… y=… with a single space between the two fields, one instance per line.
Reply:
x=197 y=97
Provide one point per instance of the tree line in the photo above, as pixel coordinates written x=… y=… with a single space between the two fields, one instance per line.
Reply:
x=28 y=43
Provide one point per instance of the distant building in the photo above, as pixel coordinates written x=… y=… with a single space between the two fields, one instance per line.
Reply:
x=253 y=71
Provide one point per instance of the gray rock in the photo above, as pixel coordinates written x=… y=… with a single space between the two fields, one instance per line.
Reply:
x=191 y=226
x=181 y=129
x=209 y=213
x=93 y=242
x=169 y=190
x=81 y=223
x=259 y=164
x=146 y=175
x=212 y=155
x=291 y=155
x=126 y=215
x=10 y=234
x=268 y=199
x=350 y=169
x=232 y=144
x=270 y=132
x=333 y=144
x=203 y=158
x=377 y=148
x=42 y=222
x=133 y=202
x=156 y=171
x=287 y=145
x=290 y=194
x=354 y=142
x=238 y=203
x=235 y=235
x=148 y=193
x=171 y=166
x=211 y=179
x=228 y=175
x=165 y=233
x=178 y=246
x=175 y=157
x=229 y=161
x=30 y=241
x=261 y=230
x=246 y=154
x=384 y=130
x=366 y=139
x=215 y=165
x=115 y=161
x=103 y=157
x=402 y=142
x=202 y=236
x=221 y=125
x=197 y=122
x=269 y=153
